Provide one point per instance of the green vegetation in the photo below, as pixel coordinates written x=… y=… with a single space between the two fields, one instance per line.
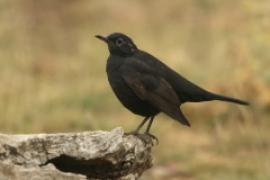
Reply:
x=52 y=77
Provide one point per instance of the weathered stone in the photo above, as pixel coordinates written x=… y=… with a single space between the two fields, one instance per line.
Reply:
x=70 y=156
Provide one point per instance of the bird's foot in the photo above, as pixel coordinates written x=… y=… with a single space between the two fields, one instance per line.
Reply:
x=145 y=137
x=152 y=137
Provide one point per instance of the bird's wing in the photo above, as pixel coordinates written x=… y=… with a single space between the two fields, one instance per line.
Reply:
x=186 y=90
x=153 y=89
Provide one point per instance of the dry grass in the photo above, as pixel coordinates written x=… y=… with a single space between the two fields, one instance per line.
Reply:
x=52 y=76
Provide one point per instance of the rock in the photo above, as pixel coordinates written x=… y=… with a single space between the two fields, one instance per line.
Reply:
x=70 y=156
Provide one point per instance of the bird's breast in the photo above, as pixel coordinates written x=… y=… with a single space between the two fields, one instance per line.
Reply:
x=126 y=96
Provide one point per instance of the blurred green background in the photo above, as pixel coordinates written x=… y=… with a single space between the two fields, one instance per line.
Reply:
x=52 y=77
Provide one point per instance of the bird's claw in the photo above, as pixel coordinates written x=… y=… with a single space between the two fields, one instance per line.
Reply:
x=152 y=137
x=145 y=137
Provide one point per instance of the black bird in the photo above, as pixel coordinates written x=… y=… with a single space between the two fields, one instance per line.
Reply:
x=146 y=86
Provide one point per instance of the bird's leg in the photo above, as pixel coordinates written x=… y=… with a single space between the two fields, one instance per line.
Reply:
x=149 y=125
x=148 y=129
x=139 y=127
x=141 y=124
x=146 y=137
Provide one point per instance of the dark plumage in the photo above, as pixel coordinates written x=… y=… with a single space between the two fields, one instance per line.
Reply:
x=146 y=86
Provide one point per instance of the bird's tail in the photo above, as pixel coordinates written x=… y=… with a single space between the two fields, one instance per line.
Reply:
x=228 y=99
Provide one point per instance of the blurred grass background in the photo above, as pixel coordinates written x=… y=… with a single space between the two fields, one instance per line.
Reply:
x=52 y=76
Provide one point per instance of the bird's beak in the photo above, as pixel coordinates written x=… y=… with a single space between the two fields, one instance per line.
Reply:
x=102 y=38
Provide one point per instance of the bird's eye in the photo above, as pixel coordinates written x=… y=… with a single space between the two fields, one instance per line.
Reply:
x=119 y=42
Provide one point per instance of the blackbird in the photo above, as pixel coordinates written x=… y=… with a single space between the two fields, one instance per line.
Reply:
x=146 y=86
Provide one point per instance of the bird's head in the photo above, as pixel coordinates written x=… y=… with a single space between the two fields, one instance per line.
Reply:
x=119 y=44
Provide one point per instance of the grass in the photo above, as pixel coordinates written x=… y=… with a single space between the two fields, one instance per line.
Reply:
x=52 y=76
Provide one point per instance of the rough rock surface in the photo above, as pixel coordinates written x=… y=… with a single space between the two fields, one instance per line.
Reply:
x=70 y=156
